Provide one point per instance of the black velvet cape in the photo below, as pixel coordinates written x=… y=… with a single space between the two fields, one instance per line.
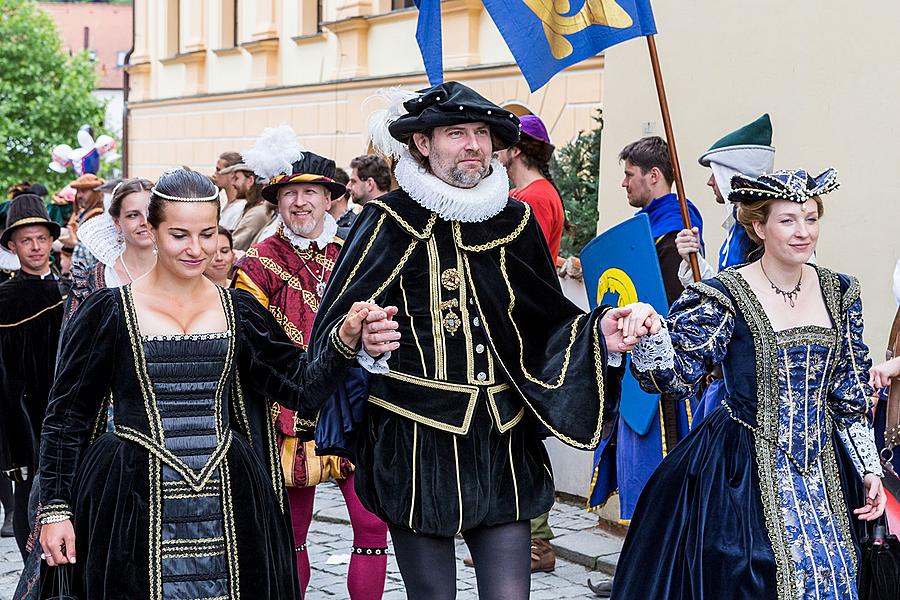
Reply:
x=492 y=357
x=110 y=482
x=31 y=312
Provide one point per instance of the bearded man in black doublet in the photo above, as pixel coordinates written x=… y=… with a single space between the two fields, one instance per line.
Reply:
x=31 y=310
x=492 y=356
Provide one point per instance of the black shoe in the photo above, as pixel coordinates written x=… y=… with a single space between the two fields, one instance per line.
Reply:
x=7 y=529
x=602 y=589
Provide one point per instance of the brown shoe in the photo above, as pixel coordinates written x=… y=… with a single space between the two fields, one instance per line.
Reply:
x=468 y=561
x=543 y=558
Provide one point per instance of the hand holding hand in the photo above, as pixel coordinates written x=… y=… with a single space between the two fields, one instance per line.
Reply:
x=380 y=333
x=352 y=327
x=58 y=542
x=623 y=327
x=875 y=499
x=687 y=242
x=880 y=375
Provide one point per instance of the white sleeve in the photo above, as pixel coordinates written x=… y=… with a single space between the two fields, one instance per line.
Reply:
x=687 y=277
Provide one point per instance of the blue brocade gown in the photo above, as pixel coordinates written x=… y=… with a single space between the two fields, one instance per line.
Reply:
x=757 y=501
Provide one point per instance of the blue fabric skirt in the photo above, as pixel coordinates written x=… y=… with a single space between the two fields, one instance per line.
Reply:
x=699 y=530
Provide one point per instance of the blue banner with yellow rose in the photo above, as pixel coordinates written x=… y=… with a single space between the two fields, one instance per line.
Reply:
x=546 y=36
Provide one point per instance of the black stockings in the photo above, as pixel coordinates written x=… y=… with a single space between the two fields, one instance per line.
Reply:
x=502 y=556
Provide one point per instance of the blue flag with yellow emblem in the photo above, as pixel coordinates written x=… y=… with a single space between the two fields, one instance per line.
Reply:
x=429 y=38
x=546 y=36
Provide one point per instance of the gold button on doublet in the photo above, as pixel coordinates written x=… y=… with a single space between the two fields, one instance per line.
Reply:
x=450 y=279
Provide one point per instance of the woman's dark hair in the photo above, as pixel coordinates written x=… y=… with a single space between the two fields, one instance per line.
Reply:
x=179 y=183
x=227 y=234
x=127 y=187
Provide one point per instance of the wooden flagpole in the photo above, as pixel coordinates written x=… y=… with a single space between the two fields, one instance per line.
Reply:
x=670 y=138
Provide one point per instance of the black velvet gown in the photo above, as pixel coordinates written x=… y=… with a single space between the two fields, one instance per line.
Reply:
x=184 y=499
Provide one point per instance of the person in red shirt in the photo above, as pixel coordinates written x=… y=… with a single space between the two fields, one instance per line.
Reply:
x=528 y=163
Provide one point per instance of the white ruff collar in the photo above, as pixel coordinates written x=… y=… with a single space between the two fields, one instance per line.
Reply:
x=302 y=243
x=469 y=205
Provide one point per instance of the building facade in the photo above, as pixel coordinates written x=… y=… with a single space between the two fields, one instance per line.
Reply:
x=208 y=76
x=104 y=30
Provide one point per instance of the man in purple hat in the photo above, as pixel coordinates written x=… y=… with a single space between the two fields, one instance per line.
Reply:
x=528 y=164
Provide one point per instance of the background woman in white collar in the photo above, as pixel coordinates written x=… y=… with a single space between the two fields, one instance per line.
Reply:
x=121 y=241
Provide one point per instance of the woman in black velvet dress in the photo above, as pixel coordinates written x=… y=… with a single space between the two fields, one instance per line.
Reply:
x=184 y=498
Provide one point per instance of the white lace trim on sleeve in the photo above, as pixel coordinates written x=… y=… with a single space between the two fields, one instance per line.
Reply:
x=859 y=439
x=377 y=366
x=654 y=352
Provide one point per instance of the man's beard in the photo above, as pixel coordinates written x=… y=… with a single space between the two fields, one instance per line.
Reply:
x=303 y=230
x=455 y=176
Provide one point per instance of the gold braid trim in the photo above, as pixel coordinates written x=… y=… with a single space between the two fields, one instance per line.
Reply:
x=457 y=235
x=34 y=316
x=572 y=336
x=421 y=235
x=290 y=329
x=364 y=252
x=598 y=373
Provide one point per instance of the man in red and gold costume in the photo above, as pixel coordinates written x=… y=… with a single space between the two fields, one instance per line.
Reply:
x=287 y=273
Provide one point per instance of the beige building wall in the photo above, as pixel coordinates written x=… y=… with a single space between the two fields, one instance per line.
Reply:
x=199 y=88
x=830 y=87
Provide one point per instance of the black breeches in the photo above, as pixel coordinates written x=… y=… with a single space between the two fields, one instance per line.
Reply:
x=502 y=556
x=21 y=524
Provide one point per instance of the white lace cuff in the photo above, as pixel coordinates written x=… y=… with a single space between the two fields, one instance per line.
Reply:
x=614 y=359
x=654 y=352
x=859 y=439
x=377 y=366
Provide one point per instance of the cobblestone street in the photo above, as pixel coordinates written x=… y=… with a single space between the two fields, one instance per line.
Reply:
x=330 y=539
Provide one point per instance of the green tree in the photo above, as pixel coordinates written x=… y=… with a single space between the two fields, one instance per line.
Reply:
x=45 y=95
x=576 y=171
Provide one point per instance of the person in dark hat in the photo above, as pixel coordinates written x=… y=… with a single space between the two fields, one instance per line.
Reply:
x=288 y=272
x=493 y=357
x=31 y=305
x=88 y=204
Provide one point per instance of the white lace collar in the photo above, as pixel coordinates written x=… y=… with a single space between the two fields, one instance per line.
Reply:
x=302 y=243
x=469 y=205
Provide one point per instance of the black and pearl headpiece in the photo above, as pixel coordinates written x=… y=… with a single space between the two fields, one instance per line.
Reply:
x=452 y=103
x=795 y=185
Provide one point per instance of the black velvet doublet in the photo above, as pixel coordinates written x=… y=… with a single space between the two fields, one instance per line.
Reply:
x=184 y=498
x=31 y=314
x=492 y=357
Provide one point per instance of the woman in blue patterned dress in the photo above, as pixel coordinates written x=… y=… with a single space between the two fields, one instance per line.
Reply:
x=766 y=498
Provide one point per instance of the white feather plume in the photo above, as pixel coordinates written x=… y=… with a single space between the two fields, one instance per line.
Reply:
x=274 y=152
x=379 y=120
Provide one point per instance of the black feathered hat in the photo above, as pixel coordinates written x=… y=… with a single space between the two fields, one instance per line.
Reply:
x=25 y=210
x=311 y=168
x=452 y=103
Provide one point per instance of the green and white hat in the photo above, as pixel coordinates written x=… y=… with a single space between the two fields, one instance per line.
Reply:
x=745 y=151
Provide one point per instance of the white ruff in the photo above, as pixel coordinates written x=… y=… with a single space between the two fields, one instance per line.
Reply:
x=329 y=230
x=451 y=203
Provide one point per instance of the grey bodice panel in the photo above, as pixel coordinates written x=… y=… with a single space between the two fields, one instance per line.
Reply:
x=186 y=374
